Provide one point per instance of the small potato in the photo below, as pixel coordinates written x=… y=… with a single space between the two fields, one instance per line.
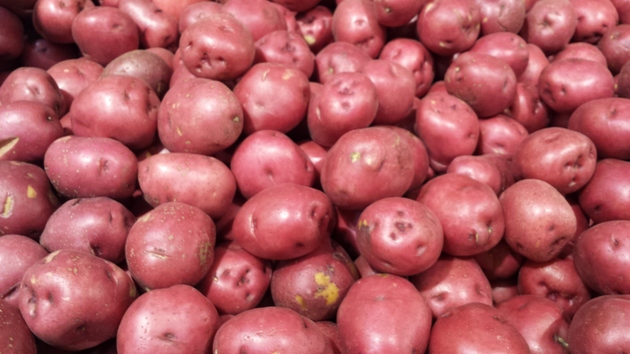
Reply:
x=26 y=199
x=15 y=336
x=528 y=108
x=614 y=46
x=356 y=22
x=80 y=167
x=537 y=62
x=198 y=11
x=506 y=46
x=17 y=254
x=500 y=135
x=95 y=225
x=393 y=13
x=171 y=244
x=482 y=168
x=201 y=181
x=581 y=50
x=283 y=222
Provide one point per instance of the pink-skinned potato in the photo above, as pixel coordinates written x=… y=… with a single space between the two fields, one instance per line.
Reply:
x=550 y=36
x=487 y=169
x=95 y=225
x=447 y=27
x=27 y=128
x=500 y=135
x=128 y=112
x=53 y=20
x=314 y=285
x=12 y=42
x=316 y=27
x=581 y=50
x=538 y=219
x=599 y=257
x=259 y=17
x=80 y=167
x=383 y=306
x=177 y=319
x=199 y=116
x=237 y=280
x=356 y=22
x=171 y=244
x=506 y=46
x=601 y=326
x=33 y=84
x=184 y=177
x=268 y=158
x=145 y=65
x=378 y=157
x=528 y=109
x=605 y=197
x=26 y=199
x=172 y=8
x=17 y=254
x=58 y=295
x=563 y=158
x=414 y=56
x=501 y=15
x=504 y=289
x=156 y=28
x=15 y=336
x=452 y=282
x=537 y=62
x=339 y=57
x=399 y=236
x=74 y=75
x=594 y=19
x=284 y=221
x=268 y=329
x=286 y=47
x=397 y=13
x=197 y=11
x=499 y=262
x=614 y=46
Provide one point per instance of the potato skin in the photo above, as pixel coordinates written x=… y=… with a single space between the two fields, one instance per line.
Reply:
x=15 y=336
x=283 y=222
x=17 y=254
x=604 y=198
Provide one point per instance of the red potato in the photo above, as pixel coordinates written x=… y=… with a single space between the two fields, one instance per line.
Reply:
x=363 y=267
x=267 y=158
x=377 y=157
x=74 y=75
x=486 y=83
x=399 y=236
x=447 y=27
x=347 y=101
x=268 y=329
x=594 y=19
x=316 y=153
x=581 y=50
x=197 y=11
x=237 y=280
x=486 y=328
x=95 y=225
x=259 y=17
x=600 y=326
x=448 y=127
x=561 y=157
x=622 y=7
x=604 y=122
x=128 y=111
x=199 y=116
x=499 y=262
x=539 y=320
x=583 y=223
x=395 y=88
x=32 y=84
x=40 y=53
x=314 y=285
x=27 y=199
x=156 y=28
x=564 y=85
x=12 y=40
x=503 y=290
x=53 y=19
x=285 y=47
x=27 y=128
x=550 y=25
x=414 y=56
x=17 y=254
x=480 y=168
x=501 y=15
x=556 y=280
x=273 y=96
x=15 y=336
x=452 y=282
x=397 y=13
x=469 y=211
x=384 y=306
x=339 y=57
x=528 y=109
x=163 y=53
x=197 y=180
x=224 y=223
x=605 y=197
x=500 y=135
x=599 y=256
x=273 y=226
x=219 y=47
x=316 y=27
x=80 y=167
x=622 y=85
x=506 y=46
x=175 y=319
x=419 y=155
x=171 y=244
x=172 y=8
x=356 y=22
x=614 y=46
x=331 y=331
x=144 y=65
x=116 y=31
x=58 y=295
x=535 y=65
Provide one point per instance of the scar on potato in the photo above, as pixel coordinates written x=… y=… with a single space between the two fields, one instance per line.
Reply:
x=327 y=289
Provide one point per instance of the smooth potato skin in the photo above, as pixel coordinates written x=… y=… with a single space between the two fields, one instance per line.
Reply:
x=283 y=222
x=17 y=254
x=15 y=336
x=145 y=65
x=23 y=83
x=201 y=181
x=81 y=167
x=600 y=326
x=605 y=196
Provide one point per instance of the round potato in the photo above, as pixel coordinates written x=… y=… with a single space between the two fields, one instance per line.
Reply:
x=356 y=22
x=144 y=65
x=604 y=197
x=17 y=254
x=33 y=84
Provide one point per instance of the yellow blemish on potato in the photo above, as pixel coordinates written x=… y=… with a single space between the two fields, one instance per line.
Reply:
x=170 y=237
x=132 y=291
x=145 y=218
x=203 y=253
x=264 y=75
x=7 y=145
x=179 y=131
x=355 y=156
x=327 y=289
x=363 y=224
x=7 y=209
x=236 y=119
x=300 y=300
x=309 y=39
x=429 y=7
x=50 y=257
x=287 y=75
x=382 y=275
x=485 y=19
x=31 y=192
x=33 y=280
x=331 y=70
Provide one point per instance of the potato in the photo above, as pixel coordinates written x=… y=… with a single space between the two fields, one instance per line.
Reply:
x=487 y=169
x=74 y=75
x=248 y=13
x=74 y=300
x=286 y=47
x=156 y=28
x=269 y=329
x=33 y=84
x=581 y=50
x=501 y=15
x=197 y=11
x=384 y=306
x=551 y=37
x=315 y=26
x=315 y=284
x=604 y=197
x=283 y=222
x=528 y=109
x=447 y=27
x=144 y=65
x=17 y=254
x=26 y=198
x=356 y=22
x=176 y=319
x=201 y=181
x=15 y=336
x=171 y=244
x=339 y=57
x=80 y=167
x=95 y=225
x=614 y=46
x=506 y=46
x=499 y=262
x=53 y=21
x=414 y=56
x=600 y=326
